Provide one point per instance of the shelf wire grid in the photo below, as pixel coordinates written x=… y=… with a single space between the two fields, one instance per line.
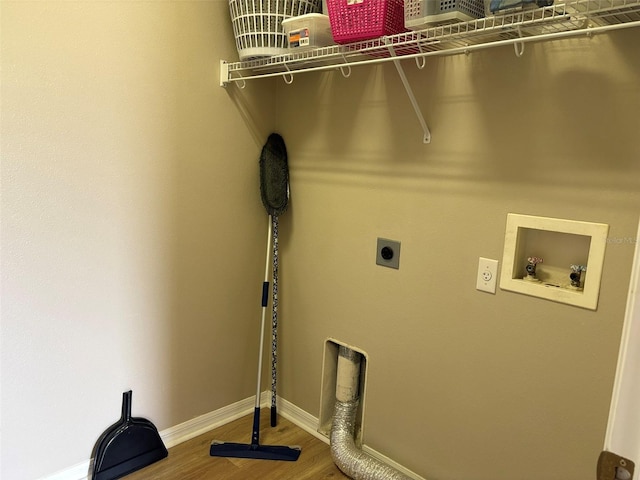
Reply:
x=530 y=24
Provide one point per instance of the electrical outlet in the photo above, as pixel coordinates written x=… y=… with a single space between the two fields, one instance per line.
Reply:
x=487 y=275
x=388 y=253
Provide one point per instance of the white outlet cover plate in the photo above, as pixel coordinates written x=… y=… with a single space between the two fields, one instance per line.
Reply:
x=487 y=275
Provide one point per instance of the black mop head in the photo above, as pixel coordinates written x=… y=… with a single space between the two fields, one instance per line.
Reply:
x=258 y=452
x=287 y=453
x=274 y=175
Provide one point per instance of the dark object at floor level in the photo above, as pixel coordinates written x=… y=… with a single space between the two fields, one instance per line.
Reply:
x=126 y=446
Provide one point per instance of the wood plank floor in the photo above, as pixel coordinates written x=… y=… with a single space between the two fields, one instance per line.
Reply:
x=190 y=460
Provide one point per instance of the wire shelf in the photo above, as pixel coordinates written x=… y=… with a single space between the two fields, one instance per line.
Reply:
x=540 y=24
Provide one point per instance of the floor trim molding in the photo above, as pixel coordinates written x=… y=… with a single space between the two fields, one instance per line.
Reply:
x=300 y=418
x=197 y=426
x=309 y=423
x=173 y=436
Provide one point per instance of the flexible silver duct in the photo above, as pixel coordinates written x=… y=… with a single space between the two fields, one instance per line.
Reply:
x=352 y=461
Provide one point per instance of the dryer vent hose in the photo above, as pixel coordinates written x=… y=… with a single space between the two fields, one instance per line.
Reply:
x=352 y=461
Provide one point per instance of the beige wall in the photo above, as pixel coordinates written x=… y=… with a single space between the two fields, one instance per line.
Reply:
x=132 y=237
x=132 y=228
x=462 y=385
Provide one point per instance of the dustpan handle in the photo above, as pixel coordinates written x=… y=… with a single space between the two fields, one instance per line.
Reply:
x=126 y=406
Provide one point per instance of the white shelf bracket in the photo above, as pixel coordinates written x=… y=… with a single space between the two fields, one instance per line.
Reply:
x=427 y=134
x=225 y=79
x=224 y=73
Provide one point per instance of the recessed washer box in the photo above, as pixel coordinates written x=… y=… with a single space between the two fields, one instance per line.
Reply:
x=560 y=244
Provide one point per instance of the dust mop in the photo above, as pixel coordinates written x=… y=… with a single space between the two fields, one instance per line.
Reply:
x=274 y=192
x=274 y=189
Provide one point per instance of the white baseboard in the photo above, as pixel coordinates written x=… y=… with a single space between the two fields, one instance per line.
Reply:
x=384 y=459
x=172 y=436
x=300 y=418
x=77 y=472
x=309 y=423
x=197 y=426
x=192 y=428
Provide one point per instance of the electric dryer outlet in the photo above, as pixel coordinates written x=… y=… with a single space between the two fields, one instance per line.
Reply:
x=388 y=253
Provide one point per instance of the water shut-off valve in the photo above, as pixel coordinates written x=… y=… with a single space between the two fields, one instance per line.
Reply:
x=576 y=275
x=532 y=262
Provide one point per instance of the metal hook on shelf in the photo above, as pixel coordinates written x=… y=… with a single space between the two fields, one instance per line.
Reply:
x=345 y=71
x=243 y=84
x=519 y=46
x=287 y=77
x=420 y=61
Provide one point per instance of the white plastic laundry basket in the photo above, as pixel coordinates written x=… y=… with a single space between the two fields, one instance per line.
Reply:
x=257 y=24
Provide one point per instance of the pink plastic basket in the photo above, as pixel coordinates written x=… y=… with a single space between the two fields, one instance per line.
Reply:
x=355 y=20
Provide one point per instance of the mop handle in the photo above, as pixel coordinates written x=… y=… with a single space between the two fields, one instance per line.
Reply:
x=255 y=440
x=274 y=323
x=265 y=298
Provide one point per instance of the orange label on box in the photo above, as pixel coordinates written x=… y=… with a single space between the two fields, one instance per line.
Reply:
x=299 y=38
